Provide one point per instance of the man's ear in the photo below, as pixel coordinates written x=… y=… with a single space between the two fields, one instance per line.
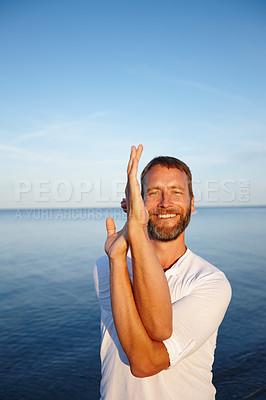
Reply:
x=192 y=205
x=124 y=204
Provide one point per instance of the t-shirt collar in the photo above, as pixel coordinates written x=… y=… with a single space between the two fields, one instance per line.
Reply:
x=174 y=270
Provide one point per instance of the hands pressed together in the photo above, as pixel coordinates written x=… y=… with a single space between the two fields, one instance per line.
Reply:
x=117 y=242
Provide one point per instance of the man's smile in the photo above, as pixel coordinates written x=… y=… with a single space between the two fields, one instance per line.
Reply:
x=164 y=216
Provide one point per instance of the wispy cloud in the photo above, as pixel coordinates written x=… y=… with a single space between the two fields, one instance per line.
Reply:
x=62 y=127
x=44 y=132
x=29 y=157
x=189 y=83
x=210 y=89
x=11 y=149
x=253 y=151
x=26 y=155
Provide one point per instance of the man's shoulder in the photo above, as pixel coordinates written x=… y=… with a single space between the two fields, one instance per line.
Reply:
x=201 y=263
x=203 y=268
x=202 y=276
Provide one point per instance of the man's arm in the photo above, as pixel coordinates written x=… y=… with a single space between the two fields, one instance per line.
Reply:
x=145 y=355
x=150 y=287
x=196 y=316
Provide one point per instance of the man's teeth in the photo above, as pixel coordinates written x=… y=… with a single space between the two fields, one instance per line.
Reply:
x=166 y=215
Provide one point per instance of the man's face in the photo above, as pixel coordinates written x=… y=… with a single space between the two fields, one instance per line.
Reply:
x=168 y=203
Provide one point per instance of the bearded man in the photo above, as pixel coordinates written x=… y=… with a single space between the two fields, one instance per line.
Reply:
x=161 y=305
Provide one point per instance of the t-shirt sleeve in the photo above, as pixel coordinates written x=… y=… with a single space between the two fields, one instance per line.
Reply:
x=101 y=283
x=198 y=315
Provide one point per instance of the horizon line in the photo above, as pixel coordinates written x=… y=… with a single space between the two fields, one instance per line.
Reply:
x=119 y=208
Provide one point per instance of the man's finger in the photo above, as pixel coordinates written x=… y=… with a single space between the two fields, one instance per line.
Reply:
x=110 y=226
x=131 y=158
x=139 y=151
x=135 y=153
x=134 y=167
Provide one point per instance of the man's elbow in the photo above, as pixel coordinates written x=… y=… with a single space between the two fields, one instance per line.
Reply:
x=160 y=333
x=146 y=366
x=143 y=369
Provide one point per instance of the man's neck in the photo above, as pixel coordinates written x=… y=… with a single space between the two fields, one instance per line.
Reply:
x=169 y=252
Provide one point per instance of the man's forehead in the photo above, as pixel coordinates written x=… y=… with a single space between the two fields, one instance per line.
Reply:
x=161 y=175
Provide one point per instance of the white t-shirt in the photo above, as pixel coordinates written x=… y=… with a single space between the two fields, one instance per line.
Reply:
x=200 y=295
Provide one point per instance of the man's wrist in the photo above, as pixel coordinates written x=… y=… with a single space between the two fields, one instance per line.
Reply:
x=136 y=231
x=118 y=258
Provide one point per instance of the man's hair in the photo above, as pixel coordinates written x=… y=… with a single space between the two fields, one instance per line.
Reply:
x=168 y=162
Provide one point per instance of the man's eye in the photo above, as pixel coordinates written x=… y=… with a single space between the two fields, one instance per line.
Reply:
x=177 y=192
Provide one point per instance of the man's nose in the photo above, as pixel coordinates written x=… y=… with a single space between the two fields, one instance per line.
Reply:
x=165 y=201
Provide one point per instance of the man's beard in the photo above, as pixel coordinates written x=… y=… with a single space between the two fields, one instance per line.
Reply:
x=165 y=233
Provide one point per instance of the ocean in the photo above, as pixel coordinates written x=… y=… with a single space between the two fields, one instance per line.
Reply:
x=49 y=325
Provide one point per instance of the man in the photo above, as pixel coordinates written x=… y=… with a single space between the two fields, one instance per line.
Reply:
x=161 y=305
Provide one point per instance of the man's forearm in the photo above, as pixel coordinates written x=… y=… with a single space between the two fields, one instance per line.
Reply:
x=146 y=356
x=151 y=291
x=150 y=287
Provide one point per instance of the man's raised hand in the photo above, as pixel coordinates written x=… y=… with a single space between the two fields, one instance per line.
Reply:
x=136 y=209
x=116 y=244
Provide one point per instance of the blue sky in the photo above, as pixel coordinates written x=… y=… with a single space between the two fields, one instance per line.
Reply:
x=83 y=80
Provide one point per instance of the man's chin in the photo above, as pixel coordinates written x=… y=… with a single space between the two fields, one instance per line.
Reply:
x=164 y=234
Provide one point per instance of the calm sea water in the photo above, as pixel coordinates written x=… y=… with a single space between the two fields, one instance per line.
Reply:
x=49 y=325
